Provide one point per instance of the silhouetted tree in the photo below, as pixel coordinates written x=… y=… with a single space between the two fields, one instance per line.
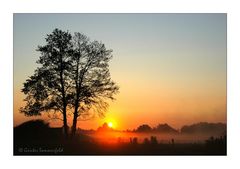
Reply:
x=146 y=141
x=92 y=81
x=104 y=128
x=48 y=89
x=74 y=74
x=165 y=128
x=204 y=127
x=154 y=140
x=135 y=140
x=144 y=128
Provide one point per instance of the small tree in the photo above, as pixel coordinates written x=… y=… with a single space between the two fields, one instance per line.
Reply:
x=49 y=88
x=144 y=128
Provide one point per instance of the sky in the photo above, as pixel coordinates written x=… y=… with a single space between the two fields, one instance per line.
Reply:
x=171 y=68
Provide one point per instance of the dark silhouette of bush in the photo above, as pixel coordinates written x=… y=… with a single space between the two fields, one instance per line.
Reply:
x=133 y=140
x=173 y=142
x=217 y=145
x=36 y=131
x=204 y=127
x=104 y=128
x=31 y=129
x=216 y=141
x=154 y=140
x=146 y=141
x=165 y=128
x=144 y=128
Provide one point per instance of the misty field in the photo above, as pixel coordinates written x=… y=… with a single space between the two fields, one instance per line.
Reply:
x=49 y=141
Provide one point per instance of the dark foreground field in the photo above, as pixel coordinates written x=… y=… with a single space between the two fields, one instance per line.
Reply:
x=37 y=138
x=83 y=147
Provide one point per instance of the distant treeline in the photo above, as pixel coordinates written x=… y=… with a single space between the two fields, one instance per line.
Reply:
x=202 y=127
x=197 y=128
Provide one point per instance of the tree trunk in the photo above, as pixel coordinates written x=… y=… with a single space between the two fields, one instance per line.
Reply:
x=65 y=126
x=75 y=116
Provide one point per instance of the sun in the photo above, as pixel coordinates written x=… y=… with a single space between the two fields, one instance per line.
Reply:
x=110 y=124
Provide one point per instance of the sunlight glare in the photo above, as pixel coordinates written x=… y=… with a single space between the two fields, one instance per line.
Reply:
x=110 y=124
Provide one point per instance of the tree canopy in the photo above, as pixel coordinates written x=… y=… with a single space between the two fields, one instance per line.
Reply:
x=73 y=77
